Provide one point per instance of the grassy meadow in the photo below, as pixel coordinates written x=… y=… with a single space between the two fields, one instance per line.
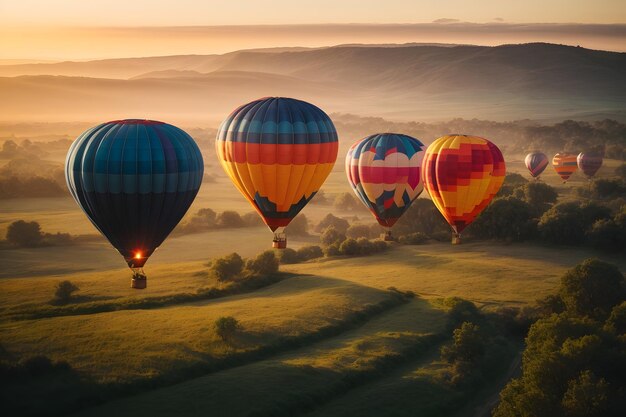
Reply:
x=336 y=336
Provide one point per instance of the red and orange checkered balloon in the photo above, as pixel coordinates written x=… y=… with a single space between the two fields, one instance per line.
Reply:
x=462 y=174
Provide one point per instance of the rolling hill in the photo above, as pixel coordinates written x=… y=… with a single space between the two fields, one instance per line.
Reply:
x=535 y=81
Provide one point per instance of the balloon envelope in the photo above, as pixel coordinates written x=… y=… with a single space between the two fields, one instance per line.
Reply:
x=589 y=163
x=384 y=170
x=135 y=180
x=278 y=152
x=536 y=162
x=565 y=165
x=462 y=174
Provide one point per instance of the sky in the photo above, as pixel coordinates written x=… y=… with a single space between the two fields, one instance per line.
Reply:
x=94 y=29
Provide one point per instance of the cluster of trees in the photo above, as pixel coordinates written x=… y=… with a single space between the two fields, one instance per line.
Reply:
x=526 y=210
x=30 y=187
x=233 y=266
x=25 y=234
x=574 y=363
x=516 y=136
x=207 y=219
x=305 y=253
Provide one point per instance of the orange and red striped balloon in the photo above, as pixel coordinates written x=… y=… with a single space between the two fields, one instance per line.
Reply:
x=462 y=174
x=565 y=165
x=278 y=152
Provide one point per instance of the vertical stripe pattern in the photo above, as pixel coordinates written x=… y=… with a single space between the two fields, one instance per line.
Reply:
x=135 y=180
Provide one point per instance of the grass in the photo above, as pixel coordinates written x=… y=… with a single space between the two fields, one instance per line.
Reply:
x=331 y=340
x=122 y=346
x=485 y=273
x=297 y=381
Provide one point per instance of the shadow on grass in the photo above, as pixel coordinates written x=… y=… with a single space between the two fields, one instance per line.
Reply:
x=81 y=392
x=86 y=306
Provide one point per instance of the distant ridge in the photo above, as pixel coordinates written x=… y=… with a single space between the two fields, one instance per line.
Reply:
x=536 y=81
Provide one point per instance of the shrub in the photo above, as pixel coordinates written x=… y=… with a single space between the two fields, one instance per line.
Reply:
x=416 y=238
x=298 y=226
x=607 y=235
x=264 y=264
x=349 y=247
x=332 y=250
x=63 y=292
x=227 y=267
x=226 y=327
x=307 y=253
x=459 y=311
x=331 y=236
x=289 y=256
x=24 y=234
x=341 y=225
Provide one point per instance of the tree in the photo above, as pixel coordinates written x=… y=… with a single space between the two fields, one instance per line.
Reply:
x=229 y=218
x=264 y=264
x=468 y=345
x=26 y=234
x=299 y=226
x=608 y=188
x=359 y=230
x=567 y=223
x=226 y=327
x=506 y=219
x=289 y=256
x=423 y=217
x=347 y=201
x=63 y=292
x=331 y=236
x=540 y=196
x=307 y=253
x=227 y=267
x=586 y=396
x=340 y=224
x=592 y=289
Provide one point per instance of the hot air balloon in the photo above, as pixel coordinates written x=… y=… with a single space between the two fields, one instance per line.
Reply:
x=462 y=174
x=589 y=163
x=565 y=165
x=384 y=170
x=536 y=162
x=135 y=180
x=278 y=152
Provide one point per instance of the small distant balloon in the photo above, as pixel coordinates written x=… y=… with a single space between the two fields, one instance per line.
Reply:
x=565 y=165
x=462 y=174
x=384 y=171
x=135 y=180
x=536 y=162
x=589 y=163
x=278 y=152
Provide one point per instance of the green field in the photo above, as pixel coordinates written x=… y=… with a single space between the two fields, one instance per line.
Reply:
x=329 y=337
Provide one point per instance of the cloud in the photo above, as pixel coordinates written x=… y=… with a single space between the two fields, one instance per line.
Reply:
x=498 y=19
x=446 y=20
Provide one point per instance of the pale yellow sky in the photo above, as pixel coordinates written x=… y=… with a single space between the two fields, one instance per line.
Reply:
x=245 y=12
x=93 y=29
